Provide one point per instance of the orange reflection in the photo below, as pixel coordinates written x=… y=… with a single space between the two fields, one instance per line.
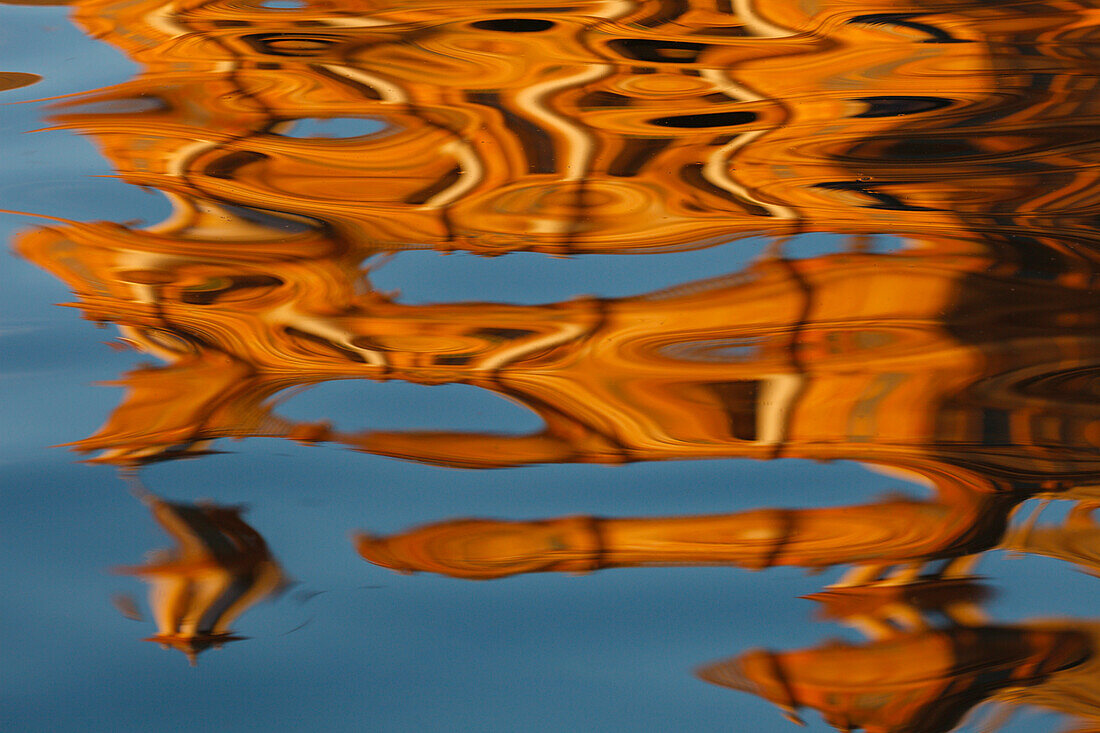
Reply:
x=966 y=359
x=219 y=569
x=865 y=356
x=915 y=677
x=16 y=80
x=255 y=283
x=932 y=654
x=874 y=536
x=625 y=127
x=606 y=126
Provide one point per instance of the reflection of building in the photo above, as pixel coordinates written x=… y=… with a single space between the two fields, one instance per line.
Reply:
x=522 y=127
x=1076 y=540
x=883 y=358
x=606 y=126
x=875 y=536
x=891 y=533
x=931 y=654
x=966 y=358
x=916 y=680
x=220 y=567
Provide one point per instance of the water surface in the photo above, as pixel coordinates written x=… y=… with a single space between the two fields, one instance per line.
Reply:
x=740 y=347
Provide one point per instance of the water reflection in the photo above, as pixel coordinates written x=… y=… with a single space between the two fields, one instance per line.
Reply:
x=900 y=358
x=932 y=654
x=610 y=126
x=300 y=145
x=220 y=567
x=921 y=676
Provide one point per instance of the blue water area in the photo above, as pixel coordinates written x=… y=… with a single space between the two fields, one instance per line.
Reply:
x=333 y=127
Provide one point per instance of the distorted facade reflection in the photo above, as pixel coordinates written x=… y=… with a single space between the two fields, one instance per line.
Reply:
x=219 y=568
x=608 y=126
x=931 y=654
x=247 y=293
x=918 y=673
x=298 y=147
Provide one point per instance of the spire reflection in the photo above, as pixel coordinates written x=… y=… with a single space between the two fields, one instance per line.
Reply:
x=219 y=568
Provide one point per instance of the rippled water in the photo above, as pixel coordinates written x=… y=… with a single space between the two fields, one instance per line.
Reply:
x=856 y=242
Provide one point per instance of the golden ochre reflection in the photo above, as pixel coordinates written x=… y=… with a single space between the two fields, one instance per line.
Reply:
x=931 y=653
x=608 y=126
x=931 y=659
x=605 y=127
x=300 y=146
x=220 y=567
x=910 y=359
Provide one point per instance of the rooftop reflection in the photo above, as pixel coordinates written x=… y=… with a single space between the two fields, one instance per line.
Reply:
x=300 y=146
